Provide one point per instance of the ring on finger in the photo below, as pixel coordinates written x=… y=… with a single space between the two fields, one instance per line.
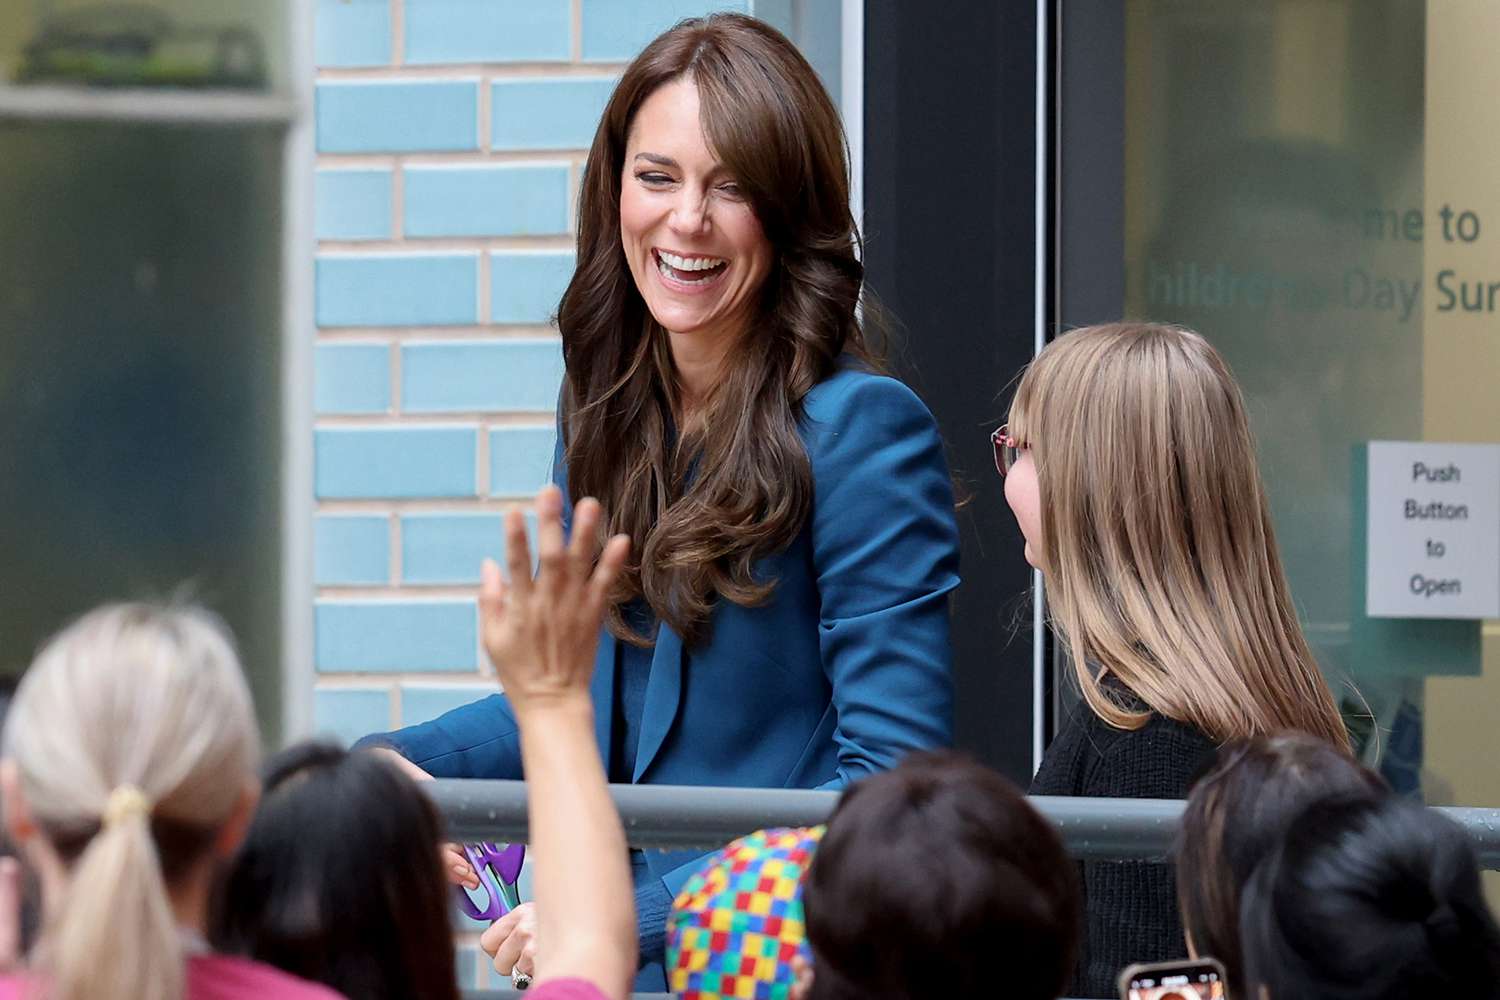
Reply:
x=519 y=980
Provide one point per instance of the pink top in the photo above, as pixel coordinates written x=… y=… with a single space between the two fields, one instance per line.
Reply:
x=566 y=989
x=223 y=977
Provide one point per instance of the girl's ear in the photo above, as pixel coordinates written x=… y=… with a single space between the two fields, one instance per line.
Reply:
x=233 y=832
x=802 y=971
x=18 y=822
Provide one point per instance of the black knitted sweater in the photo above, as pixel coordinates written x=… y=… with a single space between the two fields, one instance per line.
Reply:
x=1130 y=907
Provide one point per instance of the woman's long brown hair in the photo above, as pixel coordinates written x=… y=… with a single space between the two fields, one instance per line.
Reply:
x=703 y=499
x=1160 y=558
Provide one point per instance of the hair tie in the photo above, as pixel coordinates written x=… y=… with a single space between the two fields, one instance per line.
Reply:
x=126 y=802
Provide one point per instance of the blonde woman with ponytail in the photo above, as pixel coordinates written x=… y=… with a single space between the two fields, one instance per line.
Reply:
x=1130 y=467
x=128 y=776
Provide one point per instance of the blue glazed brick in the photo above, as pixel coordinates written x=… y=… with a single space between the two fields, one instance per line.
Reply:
x=520 y=460
x=353 y=33
x=398 y=290
x=615 y=30
x=463 y=924
x=470 y=31
x=395 y=463
x=349 y=713
x=423 y=703
x=462 y=377
x=352 y=378
x=554 y=113
x=395 y=636
x=525 y=287
x=508 y=200
x=353 y=204
x=351 y=550
x=466 y=964
x=413 y=116
x=448 y=548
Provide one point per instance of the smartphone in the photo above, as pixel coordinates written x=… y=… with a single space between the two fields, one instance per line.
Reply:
x=1187 y=979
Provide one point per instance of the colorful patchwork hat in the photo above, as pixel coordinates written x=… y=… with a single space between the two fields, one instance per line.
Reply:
x=737 y=924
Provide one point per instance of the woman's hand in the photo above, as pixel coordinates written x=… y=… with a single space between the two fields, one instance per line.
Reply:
x=455 y=862
x=542 y=634
x=510 y=942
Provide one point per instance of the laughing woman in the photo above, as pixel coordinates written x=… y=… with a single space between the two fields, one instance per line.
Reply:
x=783 y=619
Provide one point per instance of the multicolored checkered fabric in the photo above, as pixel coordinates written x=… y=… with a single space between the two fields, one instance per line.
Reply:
x=737 y=924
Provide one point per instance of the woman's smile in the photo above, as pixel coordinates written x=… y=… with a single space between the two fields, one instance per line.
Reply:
x=688 y=274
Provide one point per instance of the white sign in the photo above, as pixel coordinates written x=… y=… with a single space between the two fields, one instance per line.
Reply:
x=1434 y=530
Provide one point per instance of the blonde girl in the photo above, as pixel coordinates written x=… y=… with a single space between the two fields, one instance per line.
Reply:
x=1130 y=467
x=128 y=775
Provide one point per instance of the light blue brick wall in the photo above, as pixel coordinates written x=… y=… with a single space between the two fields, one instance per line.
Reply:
x=425 y=702
x=449 y=547
x=526 y=286
x=502 y=375
x=352 y=204
x=502 y=200
x=395 y=636
x=346 y=714
x=351 y=550
x=466 y=962
x=352 y=378
x=397 y=289
x=473 y=31
x=352 y=463
x=520 y=460
x=352 y=33
x=615 y=30
x=547 y=112
x=368 y=116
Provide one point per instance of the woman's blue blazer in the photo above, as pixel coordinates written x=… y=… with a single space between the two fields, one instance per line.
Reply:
x=844 y=671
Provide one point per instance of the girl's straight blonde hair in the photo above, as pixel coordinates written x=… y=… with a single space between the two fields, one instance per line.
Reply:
x=134 y=740
x=1160 y=559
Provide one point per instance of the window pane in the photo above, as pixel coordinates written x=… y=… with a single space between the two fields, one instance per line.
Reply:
x=1295 y=173
x=140 y=378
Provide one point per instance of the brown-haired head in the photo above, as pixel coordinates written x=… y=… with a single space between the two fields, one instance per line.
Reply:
x=769 y=121
x=939 y=879
x=1236 y=815
x=1160 y=557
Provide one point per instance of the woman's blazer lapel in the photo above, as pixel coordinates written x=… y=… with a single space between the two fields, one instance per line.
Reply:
x=663 y=694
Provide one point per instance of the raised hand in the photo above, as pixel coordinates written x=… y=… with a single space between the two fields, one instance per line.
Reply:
x=542 y=634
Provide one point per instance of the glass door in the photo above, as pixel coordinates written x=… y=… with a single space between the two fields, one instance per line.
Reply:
x=1309 y=183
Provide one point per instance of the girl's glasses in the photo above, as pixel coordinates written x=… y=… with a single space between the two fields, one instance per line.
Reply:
x=1007 y=449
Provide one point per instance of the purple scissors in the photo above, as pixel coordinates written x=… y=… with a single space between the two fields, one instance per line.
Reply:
x=498 y=868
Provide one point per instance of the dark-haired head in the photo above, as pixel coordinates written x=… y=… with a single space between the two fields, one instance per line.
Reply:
x=931 y=880
x=1369 y=900
x=339 y=880
x=1235 y=816
x=784 y=312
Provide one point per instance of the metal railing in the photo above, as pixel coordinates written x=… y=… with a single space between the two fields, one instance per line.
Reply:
x=675 y=817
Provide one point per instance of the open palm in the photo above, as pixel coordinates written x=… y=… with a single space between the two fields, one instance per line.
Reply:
x=542 y=634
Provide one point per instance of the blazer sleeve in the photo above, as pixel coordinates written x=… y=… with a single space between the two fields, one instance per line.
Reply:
x=477 y=740
x=885 y=555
